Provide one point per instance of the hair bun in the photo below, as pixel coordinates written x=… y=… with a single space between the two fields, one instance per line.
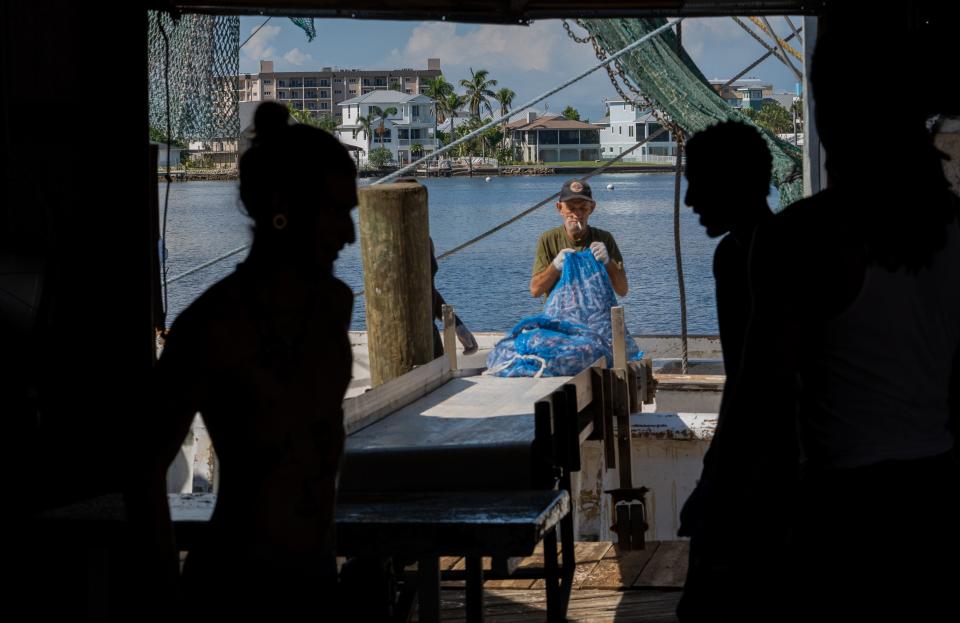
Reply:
x=269 y=120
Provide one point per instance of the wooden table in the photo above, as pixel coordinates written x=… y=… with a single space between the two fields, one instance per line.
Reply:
x=426 y=526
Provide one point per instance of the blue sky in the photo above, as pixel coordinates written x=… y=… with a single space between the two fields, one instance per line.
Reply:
x=528 y=59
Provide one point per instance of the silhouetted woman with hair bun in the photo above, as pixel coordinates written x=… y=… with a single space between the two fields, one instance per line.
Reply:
x=264 y=357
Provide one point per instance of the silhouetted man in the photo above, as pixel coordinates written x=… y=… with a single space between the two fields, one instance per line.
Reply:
x=728 y=179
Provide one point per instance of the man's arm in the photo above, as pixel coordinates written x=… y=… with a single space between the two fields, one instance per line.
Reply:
x=612 y=259
x=543 y=282
x=618 y=277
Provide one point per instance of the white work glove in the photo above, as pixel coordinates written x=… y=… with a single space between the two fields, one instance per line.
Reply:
x=600 y=252
x=558 y=261
x=466 y=338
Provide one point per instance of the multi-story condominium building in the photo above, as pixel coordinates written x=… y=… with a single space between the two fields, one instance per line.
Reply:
x=408 y=134
x=626 y=126
x=321 y=92
x=553 y=139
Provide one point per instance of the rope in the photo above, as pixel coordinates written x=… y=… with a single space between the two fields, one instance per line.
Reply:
x=210 y=263
x=677 y=250
x=166 y=197
x=255 y=32
x=764 y=25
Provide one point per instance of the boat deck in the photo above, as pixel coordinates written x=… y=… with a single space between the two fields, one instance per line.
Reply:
x=609 y=585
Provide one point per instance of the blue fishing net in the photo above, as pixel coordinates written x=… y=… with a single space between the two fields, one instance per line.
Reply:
x=573 y=331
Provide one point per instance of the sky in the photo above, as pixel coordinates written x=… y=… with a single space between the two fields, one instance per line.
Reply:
x=528 y=59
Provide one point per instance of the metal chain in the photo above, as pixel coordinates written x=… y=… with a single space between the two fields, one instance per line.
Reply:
x=621 y=76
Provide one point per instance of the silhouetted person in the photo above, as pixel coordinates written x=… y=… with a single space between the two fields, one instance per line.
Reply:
x=264 y=356
x=850 y=352
x=728 y=170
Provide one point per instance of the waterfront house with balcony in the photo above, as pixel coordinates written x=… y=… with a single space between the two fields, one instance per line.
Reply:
x=553 y=139
x=407 y=134
x=626 y=126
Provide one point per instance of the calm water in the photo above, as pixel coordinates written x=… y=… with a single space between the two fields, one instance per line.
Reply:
x=488 y=283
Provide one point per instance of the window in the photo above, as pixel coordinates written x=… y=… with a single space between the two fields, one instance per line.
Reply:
x=268 y=81
x=547 y=137
x=324 y=93
x=630 y=131
x=309 y=82
x=590 y=136
x=353 y=80
x=338 y=80
x=282 y=95
x=640 y=133
x=265 y=93
x=325 y=83
x=296 y=82
x=324 y=105
x=414 y=111
x=281 y=83
x=310 y=95
x=569 y=137
x=338 y=91
x=619 y=129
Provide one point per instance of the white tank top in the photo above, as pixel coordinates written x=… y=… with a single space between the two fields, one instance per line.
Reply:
x=876 y=386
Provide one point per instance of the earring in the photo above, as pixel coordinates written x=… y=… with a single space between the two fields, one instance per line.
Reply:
x=279 y=221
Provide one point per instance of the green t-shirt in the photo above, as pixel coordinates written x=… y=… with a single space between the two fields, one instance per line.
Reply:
x=552 y=241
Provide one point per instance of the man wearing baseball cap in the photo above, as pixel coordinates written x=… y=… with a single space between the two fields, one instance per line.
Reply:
x=575 y=206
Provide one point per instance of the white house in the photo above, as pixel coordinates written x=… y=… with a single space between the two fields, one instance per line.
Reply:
x=626 y=126
x=413 y=124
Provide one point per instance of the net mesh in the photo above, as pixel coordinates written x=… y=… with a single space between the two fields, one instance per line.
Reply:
x=204 y=68
x=672 y=82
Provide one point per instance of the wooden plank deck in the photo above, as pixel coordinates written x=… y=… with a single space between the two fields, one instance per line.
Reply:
x=609 y=586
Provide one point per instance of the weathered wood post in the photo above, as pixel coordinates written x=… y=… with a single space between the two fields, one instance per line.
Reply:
x=395 y=248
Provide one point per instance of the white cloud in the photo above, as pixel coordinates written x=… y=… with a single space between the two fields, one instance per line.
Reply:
x=489 y=46
x=259 y=45
x=296 y=57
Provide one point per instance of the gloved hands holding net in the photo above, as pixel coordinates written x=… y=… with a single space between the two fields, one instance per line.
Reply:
x=558 y=261
x=599 y=251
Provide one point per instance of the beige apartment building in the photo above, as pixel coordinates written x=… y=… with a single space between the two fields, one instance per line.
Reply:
x=320 y=92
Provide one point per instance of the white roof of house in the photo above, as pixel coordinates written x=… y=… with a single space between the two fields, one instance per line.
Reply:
x=383 y=96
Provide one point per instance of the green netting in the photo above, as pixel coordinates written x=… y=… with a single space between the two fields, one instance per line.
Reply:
x=204 y=68
x=674 y=85
x=306 y=23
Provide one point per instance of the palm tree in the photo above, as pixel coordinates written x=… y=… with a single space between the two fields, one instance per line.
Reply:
x=477 y=90
x=504 y=97
x=438 y=89
x=381 y=113
x=452 y=105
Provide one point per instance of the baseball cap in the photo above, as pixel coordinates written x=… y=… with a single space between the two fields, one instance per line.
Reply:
x=575 y=189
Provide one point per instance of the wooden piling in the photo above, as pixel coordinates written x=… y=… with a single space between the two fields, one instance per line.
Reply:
x=395 y=248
